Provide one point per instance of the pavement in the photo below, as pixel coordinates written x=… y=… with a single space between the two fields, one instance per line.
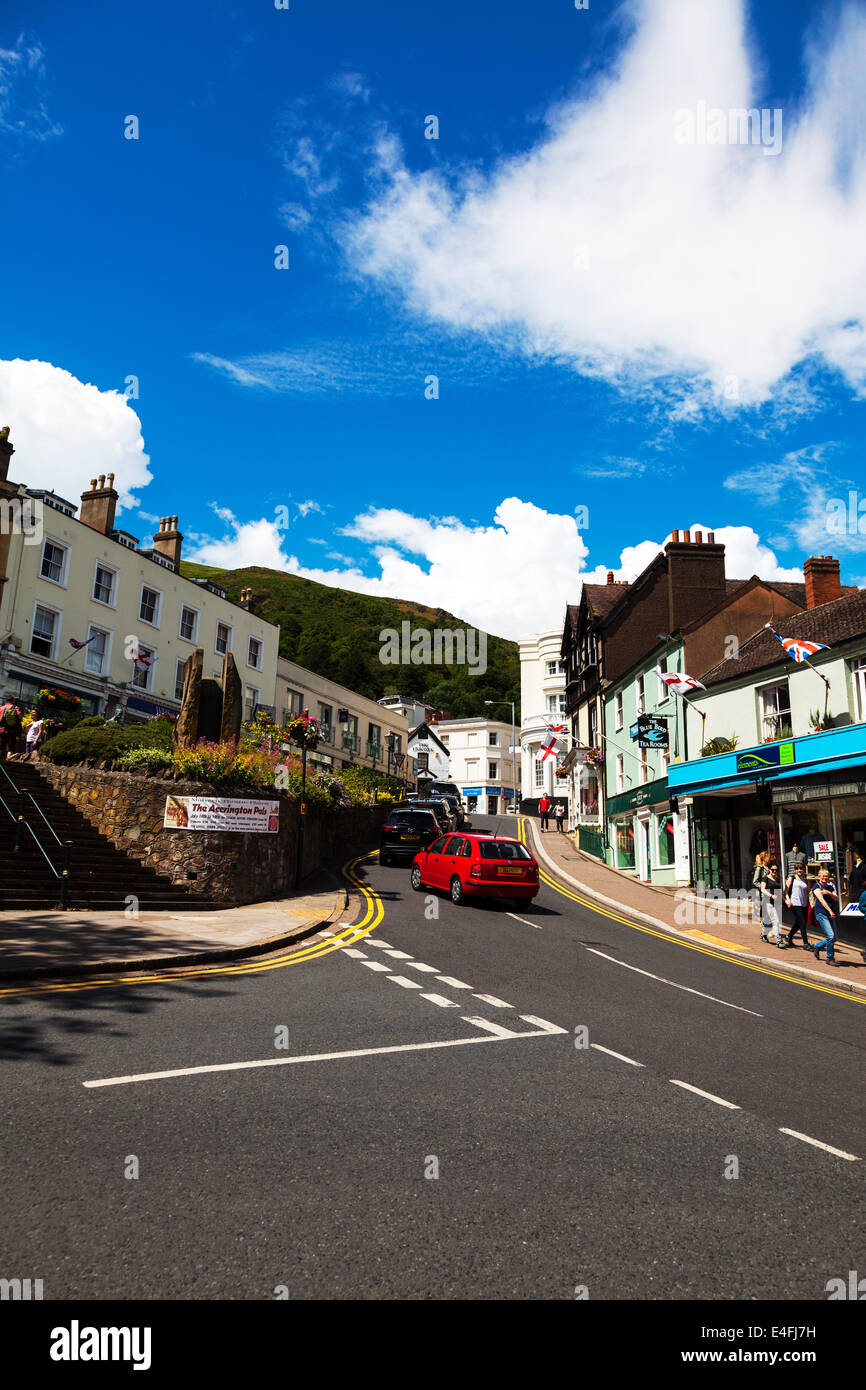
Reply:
x=86 y=943
x=716 y=923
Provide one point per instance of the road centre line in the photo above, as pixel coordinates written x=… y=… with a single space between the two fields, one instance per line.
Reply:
x=419 y=965
x=523 y=920
x=407 y=984
x=377 y=965
x=707 y=1095
x=449 y=980
x=355 y=955
x=661 y=979
x=315 y=1057
x=620 y=1057
x=398 y=955
x=828 y=1148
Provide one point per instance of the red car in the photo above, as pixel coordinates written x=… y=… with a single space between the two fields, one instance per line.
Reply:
x=476 y=866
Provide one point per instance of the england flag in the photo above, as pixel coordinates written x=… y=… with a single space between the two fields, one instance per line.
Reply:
x=144 y=659
x=677 y=682
x=550 y=747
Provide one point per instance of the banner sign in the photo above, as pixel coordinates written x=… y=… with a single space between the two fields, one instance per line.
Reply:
x=773 y=755
x=221 y=813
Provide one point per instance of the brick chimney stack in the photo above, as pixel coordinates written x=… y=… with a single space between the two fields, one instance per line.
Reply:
x=99 y=504
x=7 y=449
x=821 y=573
x=168 y=539
x=696 y=576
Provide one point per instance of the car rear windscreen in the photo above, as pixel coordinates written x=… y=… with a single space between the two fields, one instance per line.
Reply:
x=502 y=849
x=412 y=820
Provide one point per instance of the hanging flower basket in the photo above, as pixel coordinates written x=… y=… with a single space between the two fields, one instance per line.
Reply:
x=593 y=757
x=303 y=730
x=52 y=700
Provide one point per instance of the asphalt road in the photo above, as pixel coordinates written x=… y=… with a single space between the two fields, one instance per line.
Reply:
x=423 y=1121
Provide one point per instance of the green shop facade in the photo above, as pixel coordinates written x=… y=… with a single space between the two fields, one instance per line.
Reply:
x=647 y=836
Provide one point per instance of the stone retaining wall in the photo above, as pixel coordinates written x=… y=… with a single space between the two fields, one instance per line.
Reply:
x=230 y=866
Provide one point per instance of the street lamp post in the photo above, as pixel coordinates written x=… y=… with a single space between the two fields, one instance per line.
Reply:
x=514 y=798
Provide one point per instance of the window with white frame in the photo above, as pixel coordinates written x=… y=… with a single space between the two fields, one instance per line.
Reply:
x=551 y=668
x=149 y=605
x=46 y=629
x=492 y=771
x=775 y=704
x=178 y=678
x=54 y=562
x=539 y=772
x=620 y=772
x=252 y=699
x=142 y=668
x=858 y=680
x=188 y=629
x=593 y=725
x=664 y=688
x=96 y=651
x=665 y=761
x=617 y=710
x=105 y=585
x=223 y=641
x=643 y=764
x=254 y=653
x=639 y=695
x=493 y=739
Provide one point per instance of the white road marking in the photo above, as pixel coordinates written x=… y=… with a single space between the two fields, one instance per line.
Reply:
x=398 y=955
x=356 y=955
x=661 y=979
x=523 y=920
x=489 y=1027
x=441 y=1001
x=491 y=999
x=419 y=965
x=707 y=1095
x=449 y=980
x=377 y=965
x=386 y=945
x=828 y=1148
x=620 y=1057
x=501 y=1036
x=542 y=1024
x=401 y=980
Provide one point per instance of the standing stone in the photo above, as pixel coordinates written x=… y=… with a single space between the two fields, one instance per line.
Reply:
x=233 y=701
x=186 y=728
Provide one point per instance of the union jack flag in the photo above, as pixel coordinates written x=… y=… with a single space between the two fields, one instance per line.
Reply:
x=798 y=648
x=74 y=642
x=556 y=728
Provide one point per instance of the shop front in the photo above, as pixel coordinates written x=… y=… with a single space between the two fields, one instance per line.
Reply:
x=801 y=797
x=646 y=837
x=23 y=689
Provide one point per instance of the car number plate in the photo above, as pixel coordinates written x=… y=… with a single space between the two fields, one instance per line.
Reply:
x=410 y=837
x=508 y=869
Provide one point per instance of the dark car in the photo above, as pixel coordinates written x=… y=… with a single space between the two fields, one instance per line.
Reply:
x=441 y=810
x=456 y=805
x=450 y=789
x=405 y=832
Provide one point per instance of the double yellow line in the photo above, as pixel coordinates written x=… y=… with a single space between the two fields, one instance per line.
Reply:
x=601 y=911
x=373 y=914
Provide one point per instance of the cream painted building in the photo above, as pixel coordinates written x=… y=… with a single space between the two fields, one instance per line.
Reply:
x=542 y=704
x=481 y=762
x=80 y=579
x=356 y=732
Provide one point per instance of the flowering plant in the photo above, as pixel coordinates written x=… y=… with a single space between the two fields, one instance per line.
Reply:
x=52 y=700
x=593 y=757
x=303 y=730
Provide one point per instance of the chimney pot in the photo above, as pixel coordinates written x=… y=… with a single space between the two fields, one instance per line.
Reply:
x=92 y=484
x=687 y=537
x=610 y=576
x=675 y=536
x=102 y=480
x=699 y=538
x=711 y=538
x=110 y=480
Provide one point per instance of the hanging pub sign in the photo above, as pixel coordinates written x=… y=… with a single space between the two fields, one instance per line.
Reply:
x=651 y=731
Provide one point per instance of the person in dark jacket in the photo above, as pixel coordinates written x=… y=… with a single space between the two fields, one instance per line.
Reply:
x=857 y=878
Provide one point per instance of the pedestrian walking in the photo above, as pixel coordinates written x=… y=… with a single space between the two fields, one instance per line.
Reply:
x=825 y=901
x=35 y=730
x=770 y=888
x=797 y=899
x=10 y=727
x=761 y=862
x=559 y=813
x=544 y=811
x=857 y=877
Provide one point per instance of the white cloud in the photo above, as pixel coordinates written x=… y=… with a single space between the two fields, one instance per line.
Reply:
x=66 y=431
x=639 y=259
x=304 y=508
x=510 y=577
x=23 y=110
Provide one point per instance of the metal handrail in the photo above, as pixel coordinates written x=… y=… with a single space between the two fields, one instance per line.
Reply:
x=21 y=824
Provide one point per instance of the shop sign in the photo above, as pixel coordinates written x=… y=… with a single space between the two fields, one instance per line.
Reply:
x=221 y=813
x=772 y=755
x=651 y=731
x=824 y=851
x=641 y=796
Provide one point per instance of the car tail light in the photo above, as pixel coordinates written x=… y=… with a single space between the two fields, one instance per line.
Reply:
x=475 y=871
x=532 y=870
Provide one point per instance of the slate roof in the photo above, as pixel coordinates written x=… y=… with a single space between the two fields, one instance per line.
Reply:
x=842 y=620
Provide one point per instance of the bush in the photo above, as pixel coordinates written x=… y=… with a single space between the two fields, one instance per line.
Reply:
x=151 y=759
x=105 y=742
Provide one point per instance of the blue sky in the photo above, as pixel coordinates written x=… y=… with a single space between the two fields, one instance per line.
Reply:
x=664 y=331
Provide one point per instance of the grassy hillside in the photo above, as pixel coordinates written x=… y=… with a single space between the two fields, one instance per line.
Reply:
x=336 y=634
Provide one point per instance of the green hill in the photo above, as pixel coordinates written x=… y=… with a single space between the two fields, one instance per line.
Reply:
x=336 y=634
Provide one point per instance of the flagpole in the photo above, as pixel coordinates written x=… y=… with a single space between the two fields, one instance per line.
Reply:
x=808 y=663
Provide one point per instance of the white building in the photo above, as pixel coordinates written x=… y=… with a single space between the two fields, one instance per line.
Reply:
x=542 y=704
x=414 y=711
x=424 y=740
x=481 y=763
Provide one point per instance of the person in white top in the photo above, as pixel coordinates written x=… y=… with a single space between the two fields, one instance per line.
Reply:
x=34 y=732
x=797 y=898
